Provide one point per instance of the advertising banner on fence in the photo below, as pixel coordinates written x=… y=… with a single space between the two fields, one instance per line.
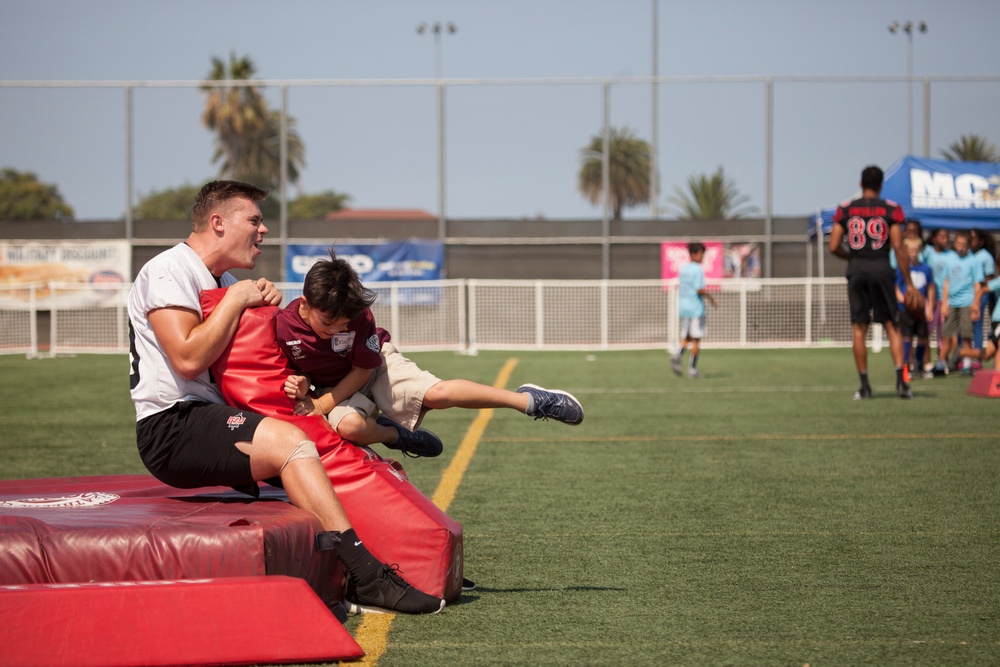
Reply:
x=403 y=261
x=675 y=255
x=84 y=263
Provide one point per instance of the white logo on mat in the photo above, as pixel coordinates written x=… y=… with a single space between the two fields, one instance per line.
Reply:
x=91 y=499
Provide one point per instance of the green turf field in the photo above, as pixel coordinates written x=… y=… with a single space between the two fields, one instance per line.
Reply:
x=758 y=516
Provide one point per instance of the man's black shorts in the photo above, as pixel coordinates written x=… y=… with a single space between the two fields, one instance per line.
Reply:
x=872 y=298
x=193 y=444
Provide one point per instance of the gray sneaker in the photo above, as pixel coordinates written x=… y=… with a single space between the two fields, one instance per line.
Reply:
x=413 y=443
x=675 y=365
x=553 y=404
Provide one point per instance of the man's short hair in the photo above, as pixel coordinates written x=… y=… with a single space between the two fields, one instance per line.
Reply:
x=217 y=193
x=871 y=178
x=695 y=247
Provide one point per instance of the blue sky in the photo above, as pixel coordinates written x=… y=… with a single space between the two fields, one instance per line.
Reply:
x=512 y=150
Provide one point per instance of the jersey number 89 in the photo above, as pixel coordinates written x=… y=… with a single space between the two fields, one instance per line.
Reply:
x=859 y=231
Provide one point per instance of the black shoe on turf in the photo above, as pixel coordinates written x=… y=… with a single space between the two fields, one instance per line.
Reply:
x=468 y=585
x=388 y=592
x=413 y=443
x=553 y=404
x=903 y=390
x=863 y=393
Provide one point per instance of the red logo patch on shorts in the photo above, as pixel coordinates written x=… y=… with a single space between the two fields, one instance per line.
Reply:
x=235 y=421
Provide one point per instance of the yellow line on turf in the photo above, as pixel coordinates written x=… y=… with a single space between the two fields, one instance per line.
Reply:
x=373 y=631
x=737 y=438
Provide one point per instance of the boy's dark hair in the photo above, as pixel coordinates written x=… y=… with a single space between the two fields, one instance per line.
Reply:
x=695 y=247
x=333 y=287
x=214 y=193
x=988 y=241
x=871 y=178
x=929 y=239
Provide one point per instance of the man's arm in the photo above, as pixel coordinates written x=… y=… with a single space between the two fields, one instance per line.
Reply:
x=192 y=345
x=912 y=295
x=836 y=242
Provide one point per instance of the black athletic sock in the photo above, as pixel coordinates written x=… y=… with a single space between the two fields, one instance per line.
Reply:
x=899 y=376
x=694 y=361
x=864 y=380
x=356 y=558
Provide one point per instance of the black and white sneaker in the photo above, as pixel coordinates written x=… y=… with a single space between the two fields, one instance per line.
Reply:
x=387 y=592
x=863 y=393
x=903 y=390
x=468 y=585
x=413 y=443
x=553 y=404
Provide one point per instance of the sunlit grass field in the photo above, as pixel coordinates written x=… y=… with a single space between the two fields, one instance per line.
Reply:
x=757 y=516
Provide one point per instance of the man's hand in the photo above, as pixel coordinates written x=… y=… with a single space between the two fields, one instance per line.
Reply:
x=913 y=299
x=270 y=294
x=296 y=386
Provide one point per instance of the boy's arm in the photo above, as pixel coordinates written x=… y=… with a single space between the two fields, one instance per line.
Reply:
x=944 y=297
x=703 y=292
x=931 y=300
x=350 y=385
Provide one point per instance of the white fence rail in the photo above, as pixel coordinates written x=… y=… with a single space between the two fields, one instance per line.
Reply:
x=470 y=315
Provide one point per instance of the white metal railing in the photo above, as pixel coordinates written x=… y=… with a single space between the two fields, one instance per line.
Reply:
x=469 y=315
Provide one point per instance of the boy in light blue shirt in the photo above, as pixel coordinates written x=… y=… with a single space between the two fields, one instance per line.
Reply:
x=691 y=310
x=964 y=273
x=990 y=350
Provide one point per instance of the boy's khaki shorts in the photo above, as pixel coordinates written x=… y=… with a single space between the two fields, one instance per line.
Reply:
x=397 y=388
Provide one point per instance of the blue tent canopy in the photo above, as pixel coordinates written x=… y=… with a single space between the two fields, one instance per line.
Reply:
x=938 y=193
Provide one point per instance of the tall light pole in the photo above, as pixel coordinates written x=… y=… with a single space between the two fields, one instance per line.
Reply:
x=436 y=29
x=908 y=27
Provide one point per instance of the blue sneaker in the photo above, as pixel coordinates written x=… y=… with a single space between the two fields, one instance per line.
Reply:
x=553 y=404
x=413 y=443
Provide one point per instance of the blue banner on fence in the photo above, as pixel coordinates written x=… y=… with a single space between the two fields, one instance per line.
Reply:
x=401 y=261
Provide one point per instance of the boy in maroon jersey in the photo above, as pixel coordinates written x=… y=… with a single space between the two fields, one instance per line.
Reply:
x=871 y=227
x=330 y=338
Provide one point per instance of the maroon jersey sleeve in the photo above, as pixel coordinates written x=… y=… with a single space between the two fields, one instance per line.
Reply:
x=366 y=351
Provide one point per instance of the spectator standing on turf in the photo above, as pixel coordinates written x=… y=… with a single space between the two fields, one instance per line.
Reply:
x=964 y=273
x=937 y=255
x=915 y=327
x=187 y=436
x=330 y=337
x=991 y=287
x=983 y=248
x=872 y=227
x=691 y=295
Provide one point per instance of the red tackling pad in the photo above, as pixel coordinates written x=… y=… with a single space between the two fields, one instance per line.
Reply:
x=985 y=383
x=397 y=522
x=234 y=621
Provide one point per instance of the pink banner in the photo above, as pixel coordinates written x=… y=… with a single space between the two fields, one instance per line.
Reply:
x=675 y=255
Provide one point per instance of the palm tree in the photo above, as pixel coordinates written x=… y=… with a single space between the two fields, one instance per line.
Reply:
x=971 y=148
x=711 y=197
x=628 y=173
x=259 y=159
x=248 y=133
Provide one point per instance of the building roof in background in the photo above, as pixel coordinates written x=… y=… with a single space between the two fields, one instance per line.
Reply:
x=380 y=214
